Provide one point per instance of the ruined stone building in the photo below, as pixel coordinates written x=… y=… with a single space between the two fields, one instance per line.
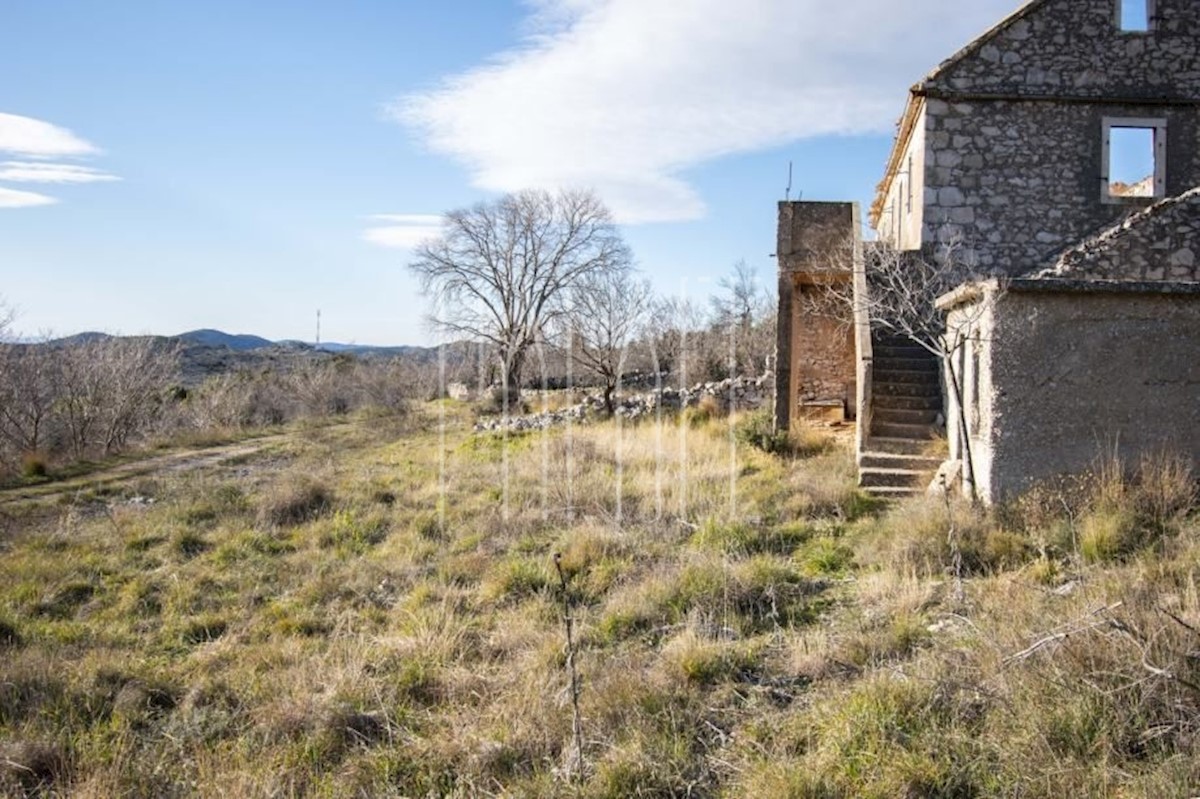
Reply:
x=1057 y=156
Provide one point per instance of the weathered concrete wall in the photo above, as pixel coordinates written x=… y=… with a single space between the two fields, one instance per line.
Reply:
x=1162 y=243
x=1016 y=183
x=818 y=244
x=1073 y=375
x=1075 y=49
x=972 y=324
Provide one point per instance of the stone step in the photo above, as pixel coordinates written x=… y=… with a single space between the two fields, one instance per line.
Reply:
x=927 y=389
x=927 y=416
x=891 y=460
x=913 y=432
x=906 y=364
x=897 y=402
x=904 y=347
x=896 y=446
x=875 y=477
x=904 y=376
x=893 y=492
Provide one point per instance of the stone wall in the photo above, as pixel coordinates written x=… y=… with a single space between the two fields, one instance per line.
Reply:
x=1162 y=243
x=1014 y=134
x=729 y=395
x=1016 y=183
x=818 y=245
x=1061 y=387
x=1073 y=49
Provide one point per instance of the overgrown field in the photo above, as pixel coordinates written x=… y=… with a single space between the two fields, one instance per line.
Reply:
x=373 y=610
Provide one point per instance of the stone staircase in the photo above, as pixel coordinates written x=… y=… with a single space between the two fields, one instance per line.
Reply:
x=906 y=394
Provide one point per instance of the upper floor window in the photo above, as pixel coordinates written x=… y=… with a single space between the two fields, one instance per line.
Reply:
x=1135 y=16
x=1134 y=164
x=909 y=198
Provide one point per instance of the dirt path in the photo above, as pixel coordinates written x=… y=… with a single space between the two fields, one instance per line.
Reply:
x=170 y=463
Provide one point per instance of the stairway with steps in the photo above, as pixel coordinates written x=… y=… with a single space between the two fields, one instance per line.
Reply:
x=906 y=411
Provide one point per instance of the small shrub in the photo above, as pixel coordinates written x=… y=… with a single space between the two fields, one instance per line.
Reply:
x=34 y=465
x=29 y=768
x=875 y=645
x=515 y=579
x=827 y=556
x=757 y=430
x=63 y=603
x=297 y=502
x=351 y=534
x=1167 y=489
x=1108 y=534
x=9 y=635
x=188 y=544
x=138 y=700
x=707 y=662
x=203 y=629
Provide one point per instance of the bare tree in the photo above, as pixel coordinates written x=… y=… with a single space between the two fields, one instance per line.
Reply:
x=607 y=311
x=744 y=317
x=897 y=294
x=29 y=385
x=111 y=389
x=500 y=271
x=7 y=315
x=675 y=331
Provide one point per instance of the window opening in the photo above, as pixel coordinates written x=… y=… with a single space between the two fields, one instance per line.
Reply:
x=1134 y=160
x=1131 y=162
x=1134 y=15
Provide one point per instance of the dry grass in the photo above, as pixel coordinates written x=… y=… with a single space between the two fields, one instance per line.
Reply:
x=369 y=617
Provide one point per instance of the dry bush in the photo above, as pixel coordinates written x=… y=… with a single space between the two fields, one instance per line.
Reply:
x=927 y=537
x=295 y=501
x=31 y=768
x=1131 y=509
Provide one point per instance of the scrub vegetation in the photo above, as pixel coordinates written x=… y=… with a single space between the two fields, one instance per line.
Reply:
x=372 y=609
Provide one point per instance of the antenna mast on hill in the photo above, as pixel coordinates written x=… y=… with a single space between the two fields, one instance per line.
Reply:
x=787 y=194
x=318 y=345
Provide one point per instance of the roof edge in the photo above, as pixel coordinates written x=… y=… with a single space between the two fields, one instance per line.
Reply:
x=1060 y=264
x=979 y=41
x=922 y=88
x=969 y=293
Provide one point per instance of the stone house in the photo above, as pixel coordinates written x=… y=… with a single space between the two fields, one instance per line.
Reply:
x=1056 y=155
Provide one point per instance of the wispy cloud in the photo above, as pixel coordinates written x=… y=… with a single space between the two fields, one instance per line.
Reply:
x=626 y=95
x=12 y=198
x=29 y=138
x=402 y=231
x=42 y=172
x=37 y=139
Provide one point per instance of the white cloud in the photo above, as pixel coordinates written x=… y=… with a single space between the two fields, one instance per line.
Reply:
x=11 y=198
x=29 y=138
x=42 y=172
x=403 y=231
x=625 y=95
x=33 y=137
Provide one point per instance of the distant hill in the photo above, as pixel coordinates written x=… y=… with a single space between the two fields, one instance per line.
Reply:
x=206 y=352
x=81 y=338
x=216 y=338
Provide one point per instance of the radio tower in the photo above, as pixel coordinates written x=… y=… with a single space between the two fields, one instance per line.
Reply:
x=318 y=345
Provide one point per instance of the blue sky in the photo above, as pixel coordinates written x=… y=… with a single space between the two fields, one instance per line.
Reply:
x=172 y=165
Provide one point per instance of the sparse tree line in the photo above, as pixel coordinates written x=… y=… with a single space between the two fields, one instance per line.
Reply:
x=63 y=401
x=545 y=287
x=79 y=399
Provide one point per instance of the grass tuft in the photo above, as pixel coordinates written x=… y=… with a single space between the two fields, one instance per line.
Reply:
x=295 y=502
